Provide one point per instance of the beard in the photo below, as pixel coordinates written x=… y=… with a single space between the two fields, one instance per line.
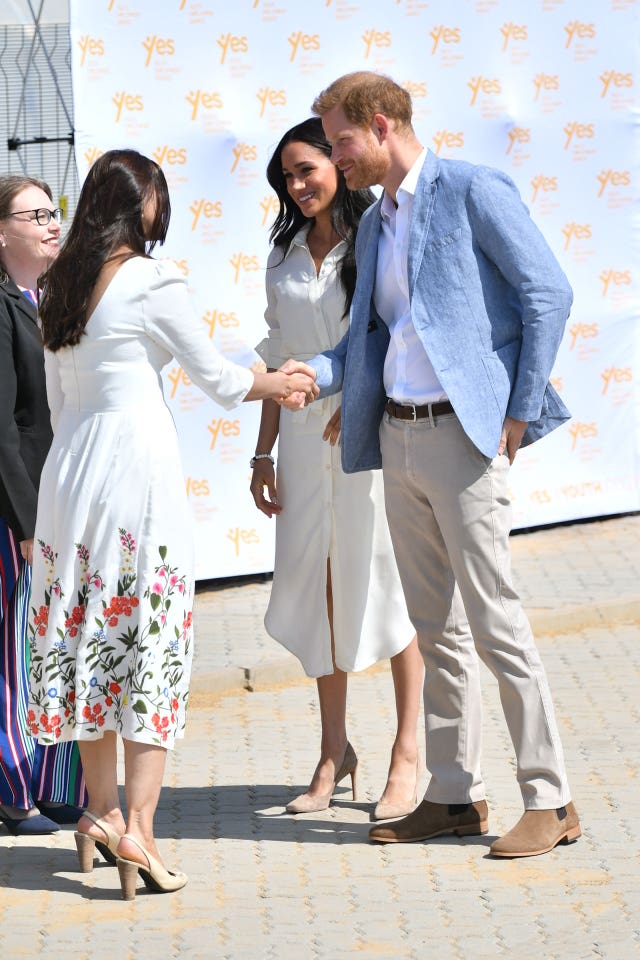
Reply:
x=370 y=168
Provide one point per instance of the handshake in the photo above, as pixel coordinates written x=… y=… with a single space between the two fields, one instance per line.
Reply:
x=301 y=378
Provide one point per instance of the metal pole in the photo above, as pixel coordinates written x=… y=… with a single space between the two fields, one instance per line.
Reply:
x=36 y=21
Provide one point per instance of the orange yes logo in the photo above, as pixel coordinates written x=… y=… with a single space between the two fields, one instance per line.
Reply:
x=545 y=81
x=91 y=154
x=206 y=208
x=182 y=265
x=582 y=431
x=484 y=85
x=613 y=178
x=513 y=31
x=126 y=101
x=545 y=184
x=444 y=35
x=199 y=98
x=155 y=44
x=243 y=262
x=611 y=78
x=269 y=206
x=584 y=330
x=239 y=536
x=615 y=375
x=229 y=42
x=219 y=427
x=518 y=135
x=89 y=45
x=579 y=231
x=275 y=98
x=448 y=139
x=619 y=278
x=581 y=31
x=581 y=131
x=170 y=156
x=197 y=488
x=374 y=38
x=415 y=89
x=177 y=377
x=244 y=151
x=303 y=41
x=216 y=317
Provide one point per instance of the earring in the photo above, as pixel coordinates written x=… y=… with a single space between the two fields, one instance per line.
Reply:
x=4 y=243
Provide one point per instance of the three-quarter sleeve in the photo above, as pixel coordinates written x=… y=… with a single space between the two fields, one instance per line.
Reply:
x=171 y=321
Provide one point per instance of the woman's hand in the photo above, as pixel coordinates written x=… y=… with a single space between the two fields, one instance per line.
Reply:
x=264 y=476
x=332 y=429
x=26 y=549
x=299 y=392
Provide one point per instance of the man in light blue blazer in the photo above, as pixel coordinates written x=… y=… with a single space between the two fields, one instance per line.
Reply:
x=458 y=313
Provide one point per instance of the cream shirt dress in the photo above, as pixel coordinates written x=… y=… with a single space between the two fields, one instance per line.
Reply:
x=325 y=512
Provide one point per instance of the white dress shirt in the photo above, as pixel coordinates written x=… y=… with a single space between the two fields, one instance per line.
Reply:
x=409 y=376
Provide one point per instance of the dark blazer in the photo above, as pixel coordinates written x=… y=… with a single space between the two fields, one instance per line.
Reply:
x=25 y=427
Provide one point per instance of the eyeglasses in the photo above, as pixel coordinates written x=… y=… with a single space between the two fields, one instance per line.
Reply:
x=42 y=216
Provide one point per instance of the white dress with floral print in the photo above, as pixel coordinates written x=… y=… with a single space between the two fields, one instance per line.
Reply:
x=110 y=622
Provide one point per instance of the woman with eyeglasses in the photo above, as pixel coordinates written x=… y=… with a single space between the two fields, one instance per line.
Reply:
x=40 y=787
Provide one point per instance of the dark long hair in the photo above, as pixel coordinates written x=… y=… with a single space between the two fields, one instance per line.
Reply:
x=348 y=205
x=108 y=217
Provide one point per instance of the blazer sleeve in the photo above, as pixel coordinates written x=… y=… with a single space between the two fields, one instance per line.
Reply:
x=18 y=495
x=505 y=232
x=329 y=367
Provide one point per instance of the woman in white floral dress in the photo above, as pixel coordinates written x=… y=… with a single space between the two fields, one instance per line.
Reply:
x=111 y=632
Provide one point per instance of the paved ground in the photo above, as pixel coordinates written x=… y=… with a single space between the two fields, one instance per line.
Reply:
x=264 y=885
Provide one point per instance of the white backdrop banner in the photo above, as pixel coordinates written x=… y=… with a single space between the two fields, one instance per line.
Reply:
x=543 y=89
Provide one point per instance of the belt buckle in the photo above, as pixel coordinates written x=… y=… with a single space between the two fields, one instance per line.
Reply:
x=413 y=410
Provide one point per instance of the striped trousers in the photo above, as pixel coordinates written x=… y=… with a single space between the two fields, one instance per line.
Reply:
x=28 y=771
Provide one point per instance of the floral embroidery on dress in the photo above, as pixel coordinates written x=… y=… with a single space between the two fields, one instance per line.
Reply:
x=97 y=669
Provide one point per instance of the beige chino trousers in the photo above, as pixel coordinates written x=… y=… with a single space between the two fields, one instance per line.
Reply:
x=450 y=517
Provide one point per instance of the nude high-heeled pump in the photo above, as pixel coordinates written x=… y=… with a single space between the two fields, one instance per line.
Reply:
x=86 y=844
x=392 y=811
x=306 y=804
x=155 y=876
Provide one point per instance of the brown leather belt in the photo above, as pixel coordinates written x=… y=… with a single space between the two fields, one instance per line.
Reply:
x=407 y=411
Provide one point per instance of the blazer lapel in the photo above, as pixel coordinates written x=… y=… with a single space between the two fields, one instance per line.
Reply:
x=368 y=261
x=421 y=215
x=23 y=305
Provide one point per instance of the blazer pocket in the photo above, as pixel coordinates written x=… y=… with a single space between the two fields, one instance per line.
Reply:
x=445 y=240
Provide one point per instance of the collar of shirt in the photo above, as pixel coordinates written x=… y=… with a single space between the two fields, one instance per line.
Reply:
x=406 y=190
x=300 y=240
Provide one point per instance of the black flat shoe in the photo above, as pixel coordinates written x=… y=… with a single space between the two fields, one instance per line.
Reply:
x=60 y=813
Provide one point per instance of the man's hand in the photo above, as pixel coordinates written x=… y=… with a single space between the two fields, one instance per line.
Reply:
x=264 y=476
x=332 y=429
x=297 y=366
x=511 y=437
x=299 y=399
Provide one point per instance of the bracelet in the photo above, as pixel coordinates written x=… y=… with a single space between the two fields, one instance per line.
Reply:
x=260 y=456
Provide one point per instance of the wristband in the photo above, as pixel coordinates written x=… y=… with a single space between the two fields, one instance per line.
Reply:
x=260 y=456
